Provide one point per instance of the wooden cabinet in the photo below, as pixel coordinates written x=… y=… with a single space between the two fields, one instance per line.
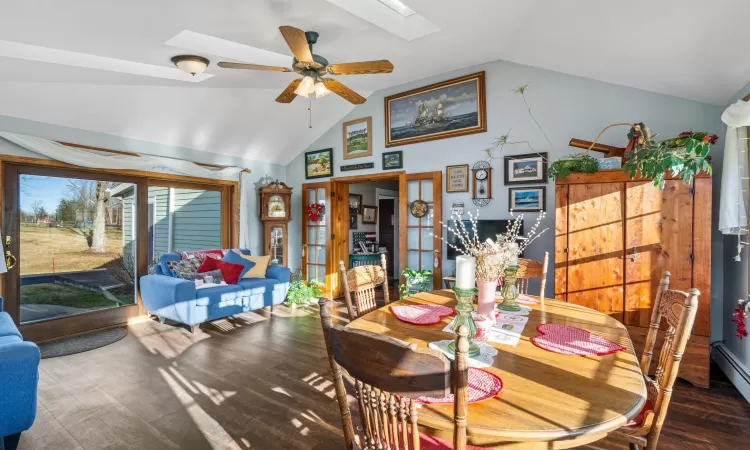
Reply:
x=616 y=236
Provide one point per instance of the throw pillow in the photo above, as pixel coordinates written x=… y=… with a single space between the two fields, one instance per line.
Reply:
x=207 y=265
x=235 y=258
x=261 y=264
x=230 y=272
x=216 y=275
x=183 y=266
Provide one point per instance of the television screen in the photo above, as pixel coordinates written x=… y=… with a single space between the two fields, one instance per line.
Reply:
x=485 y=228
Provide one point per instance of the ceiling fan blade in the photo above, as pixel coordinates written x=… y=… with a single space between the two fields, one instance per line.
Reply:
x=364 y=67
x=231 y=65
x=288 y=95
x=343 y=91
x=297 y=42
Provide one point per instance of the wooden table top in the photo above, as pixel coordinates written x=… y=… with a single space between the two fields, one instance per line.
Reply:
x=549 y=400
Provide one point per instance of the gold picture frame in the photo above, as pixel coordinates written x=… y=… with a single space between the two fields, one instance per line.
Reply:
x=353 y=139
x=451 y=108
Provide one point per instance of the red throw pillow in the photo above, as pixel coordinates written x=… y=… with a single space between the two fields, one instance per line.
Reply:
x=230 y=272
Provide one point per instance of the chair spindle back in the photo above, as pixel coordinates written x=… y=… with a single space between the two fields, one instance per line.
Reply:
x=530 y=268
x=362 y=281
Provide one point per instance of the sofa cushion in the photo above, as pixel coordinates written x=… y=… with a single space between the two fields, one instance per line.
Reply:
x=7 y=327
x=216 y=294
x=261 y=264
x=5 y=340
x=215 y=253
x=164 y=259
x=257 y=283
x=235 y=258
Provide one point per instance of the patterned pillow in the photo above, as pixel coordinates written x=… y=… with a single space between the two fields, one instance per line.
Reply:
x=183 y=266
x=216 y=274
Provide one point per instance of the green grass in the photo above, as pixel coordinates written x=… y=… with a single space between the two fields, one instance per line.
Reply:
x=69 y=247
x=58 y=294
x=351 y=148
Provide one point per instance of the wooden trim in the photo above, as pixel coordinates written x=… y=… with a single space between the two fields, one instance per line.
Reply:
x=385 y=176
x=82 y=323
x=141 y=252
x=126 y=173
x=403 y=210
x=611 y=176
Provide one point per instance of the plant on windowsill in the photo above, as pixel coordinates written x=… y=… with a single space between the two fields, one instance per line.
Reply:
x=416 y=281
x=683 y=156
x=303 y=292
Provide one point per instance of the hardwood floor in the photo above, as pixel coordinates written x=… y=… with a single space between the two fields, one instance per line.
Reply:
x=260 y=381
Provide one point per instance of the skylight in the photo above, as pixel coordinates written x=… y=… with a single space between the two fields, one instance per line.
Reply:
x=399 y=7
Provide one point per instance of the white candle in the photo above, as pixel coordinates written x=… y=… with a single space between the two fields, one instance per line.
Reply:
x=514 y=249
x=465 y=277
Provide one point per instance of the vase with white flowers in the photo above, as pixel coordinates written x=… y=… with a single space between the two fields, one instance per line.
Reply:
x=495 y=258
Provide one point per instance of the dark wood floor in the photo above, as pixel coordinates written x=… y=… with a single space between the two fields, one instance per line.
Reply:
x=260 y=381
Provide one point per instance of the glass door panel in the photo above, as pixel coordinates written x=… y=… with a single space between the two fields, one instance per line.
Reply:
x=419 y=246
x=315 y=236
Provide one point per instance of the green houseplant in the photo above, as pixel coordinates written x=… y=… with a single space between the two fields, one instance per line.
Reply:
x=578 y=163
x=416 y=281
x=303 y=292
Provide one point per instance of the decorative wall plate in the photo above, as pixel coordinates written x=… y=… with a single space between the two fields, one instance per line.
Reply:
x=418 y=208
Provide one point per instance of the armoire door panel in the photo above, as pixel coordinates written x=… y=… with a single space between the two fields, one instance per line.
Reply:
x=595 y=247
x=659 y=237
x=561 y=243
x=702 y=254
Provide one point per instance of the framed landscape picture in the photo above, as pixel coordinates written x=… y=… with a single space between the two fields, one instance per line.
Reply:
x=526 y=169
x=530 y=199
x=442 y=110
x=393 y=160
x=319 y=163
x=457 y=178
x=357 y=138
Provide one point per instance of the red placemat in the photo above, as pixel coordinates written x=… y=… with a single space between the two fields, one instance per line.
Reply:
x=573 y=341
x=421 y=314
x=482 y=385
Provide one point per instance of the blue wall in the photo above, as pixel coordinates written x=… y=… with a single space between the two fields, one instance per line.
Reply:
x=566 y=106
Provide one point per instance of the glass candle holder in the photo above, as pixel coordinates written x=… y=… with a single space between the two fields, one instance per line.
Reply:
x=464 y=308
x=509 y=291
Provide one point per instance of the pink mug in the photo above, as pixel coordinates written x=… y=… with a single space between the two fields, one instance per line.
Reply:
x=484 y=325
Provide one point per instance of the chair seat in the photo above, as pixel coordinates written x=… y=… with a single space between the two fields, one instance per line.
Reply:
x=637 y=421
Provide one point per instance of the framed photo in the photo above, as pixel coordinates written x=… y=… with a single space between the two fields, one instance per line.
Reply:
x=352 y=221
x=457 y=178
x=319 y=163
x=393 y=160
x=357 y=138
x=528 y=199
x=369 y=214
x=355 y=204
x=442 y=110
x=526 y=169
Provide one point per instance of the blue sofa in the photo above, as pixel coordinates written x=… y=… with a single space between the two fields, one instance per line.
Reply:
x=19 y=377
x=176 y=299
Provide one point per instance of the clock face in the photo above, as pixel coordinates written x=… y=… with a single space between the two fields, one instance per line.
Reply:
x=481 y=174
x=276 y=207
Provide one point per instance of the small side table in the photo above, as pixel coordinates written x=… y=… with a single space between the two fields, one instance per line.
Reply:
x=449 y=282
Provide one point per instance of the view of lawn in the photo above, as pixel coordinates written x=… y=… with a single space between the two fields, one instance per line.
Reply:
x=70 y=247
x=58 y=294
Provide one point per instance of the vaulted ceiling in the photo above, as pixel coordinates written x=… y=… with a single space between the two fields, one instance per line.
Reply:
x=687 y=48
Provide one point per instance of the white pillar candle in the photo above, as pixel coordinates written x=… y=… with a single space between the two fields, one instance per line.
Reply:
x=514 y=249
x=465 y=276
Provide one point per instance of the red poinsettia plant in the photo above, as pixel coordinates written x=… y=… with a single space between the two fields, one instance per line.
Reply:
x=314 y=211
x=739 y=319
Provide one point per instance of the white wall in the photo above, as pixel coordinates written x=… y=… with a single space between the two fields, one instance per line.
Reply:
x=112 y=142
x=566 y=106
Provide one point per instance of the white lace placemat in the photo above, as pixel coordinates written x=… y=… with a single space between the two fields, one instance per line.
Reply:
x=484 y=359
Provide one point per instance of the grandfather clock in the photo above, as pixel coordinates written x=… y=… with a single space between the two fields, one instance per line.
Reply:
x=275 y=212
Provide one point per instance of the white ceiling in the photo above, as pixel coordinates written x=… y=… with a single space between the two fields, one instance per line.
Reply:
x=687 y=48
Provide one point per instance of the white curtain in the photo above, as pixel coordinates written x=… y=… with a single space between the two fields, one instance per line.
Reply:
x=732 y=212
x=99 y=160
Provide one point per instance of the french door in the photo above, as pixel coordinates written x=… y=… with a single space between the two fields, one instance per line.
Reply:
x=316 y=257
x=419 y=249
x=76 y=269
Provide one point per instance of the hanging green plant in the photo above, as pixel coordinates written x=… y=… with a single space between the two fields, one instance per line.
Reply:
x=683 y=156
x=578 y=163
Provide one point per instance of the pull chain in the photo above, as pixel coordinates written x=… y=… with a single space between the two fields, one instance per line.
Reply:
x=309 y=108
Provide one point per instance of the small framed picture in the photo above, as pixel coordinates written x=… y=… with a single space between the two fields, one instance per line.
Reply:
x=319 y=163
x=526 y=169
x=457 y=178
x=369 y=214
x=357 y=138
x=393 y=160
x=355 y=204
x=527 y=199
x=352 y=221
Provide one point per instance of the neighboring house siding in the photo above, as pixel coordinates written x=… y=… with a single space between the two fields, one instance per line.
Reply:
x=160 y=196
x=127 y=223
x=197 y=220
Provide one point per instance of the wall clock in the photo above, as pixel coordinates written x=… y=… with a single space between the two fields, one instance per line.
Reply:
x=481 y=183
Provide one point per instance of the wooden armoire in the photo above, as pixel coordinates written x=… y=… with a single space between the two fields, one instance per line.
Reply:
x=614 y=237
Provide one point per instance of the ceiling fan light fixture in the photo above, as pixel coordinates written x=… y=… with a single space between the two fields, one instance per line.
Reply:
x=321 y=90
x=190 y=63
x=306 y=86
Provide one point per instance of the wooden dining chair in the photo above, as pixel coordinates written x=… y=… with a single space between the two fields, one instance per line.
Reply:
x=678 y=310
x=530 y=268
x=386 y=375
x=362 y=281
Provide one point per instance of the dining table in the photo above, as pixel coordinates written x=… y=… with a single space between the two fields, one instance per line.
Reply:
x=549 y=400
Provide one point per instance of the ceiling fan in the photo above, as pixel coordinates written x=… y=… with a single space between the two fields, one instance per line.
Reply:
x=313 y=68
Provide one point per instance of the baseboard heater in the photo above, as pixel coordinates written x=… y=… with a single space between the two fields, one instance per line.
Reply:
x=733 y=368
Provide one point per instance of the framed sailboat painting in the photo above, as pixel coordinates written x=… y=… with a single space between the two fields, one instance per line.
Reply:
x=442 y=110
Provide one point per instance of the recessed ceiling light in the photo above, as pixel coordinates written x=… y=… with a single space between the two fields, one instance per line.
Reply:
x=64 y=57
x=399 y=7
